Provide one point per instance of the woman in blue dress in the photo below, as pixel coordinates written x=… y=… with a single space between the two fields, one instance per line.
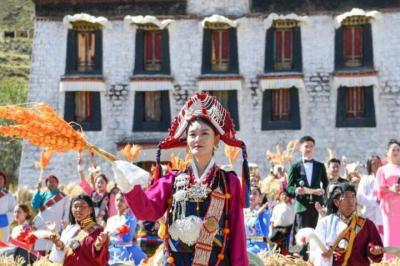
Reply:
x=121 y=229
x=256 y=223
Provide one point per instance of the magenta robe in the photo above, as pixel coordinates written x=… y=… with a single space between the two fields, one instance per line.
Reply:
x=86 y=254
x=152 y=204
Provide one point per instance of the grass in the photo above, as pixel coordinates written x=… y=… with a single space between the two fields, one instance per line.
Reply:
x=16 y=14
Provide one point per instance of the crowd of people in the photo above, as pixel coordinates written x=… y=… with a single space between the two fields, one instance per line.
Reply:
x=206 y=214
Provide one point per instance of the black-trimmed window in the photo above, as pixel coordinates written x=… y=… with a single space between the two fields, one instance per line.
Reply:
x=283 y=48
x=220 y=54
x=353 y=47
x=83 y=107
x=84 y=52
x=152 y=111
x=228 y=98
x=280 y=109
x=355 y=107
x=152 y=52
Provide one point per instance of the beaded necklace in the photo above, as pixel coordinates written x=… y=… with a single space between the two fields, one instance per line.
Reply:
x=225 y=231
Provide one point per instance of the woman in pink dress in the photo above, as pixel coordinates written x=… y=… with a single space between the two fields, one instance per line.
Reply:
x=387 y=191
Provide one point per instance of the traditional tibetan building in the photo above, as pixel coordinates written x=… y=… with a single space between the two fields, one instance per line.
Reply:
x=122 y=69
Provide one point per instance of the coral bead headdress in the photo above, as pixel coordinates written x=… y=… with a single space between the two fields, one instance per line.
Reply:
x=207 y=107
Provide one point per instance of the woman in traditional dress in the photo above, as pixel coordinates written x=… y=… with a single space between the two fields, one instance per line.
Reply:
x=83 y=242
x=387 y=191
x=349 y=239
x=21 y=235
x=53 y=208
x=204 y=204
x=256 y=222
x=104 y=202
x=365 y=193
x=121 y=229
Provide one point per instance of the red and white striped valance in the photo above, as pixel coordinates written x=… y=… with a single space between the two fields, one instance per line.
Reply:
x=82 y=85
x=354 y=80
x=281 y=82
x=220 y=84
x=151 y=84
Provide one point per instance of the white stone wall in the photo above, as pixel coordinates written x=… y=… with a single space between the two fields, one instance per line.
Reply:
x=317 y=101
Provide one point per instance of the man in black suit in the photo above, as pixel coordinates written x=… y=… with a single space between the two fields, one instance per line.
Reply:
x=307 y=183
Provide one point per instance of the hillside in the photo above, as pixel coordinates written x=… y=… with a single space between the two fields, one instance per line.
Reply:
x=15 y=61
x=16 y=14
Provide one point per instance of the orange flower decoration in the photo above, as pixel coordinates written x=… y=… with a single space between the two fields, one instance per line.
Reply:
x=42 y=126
x=231 y=153
x=131 y=151
x=44 y=160
x=180 y=164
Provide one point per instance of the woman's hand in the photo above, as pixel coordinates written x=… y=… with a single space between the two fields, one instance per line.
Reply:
x=100 y=240
x=375 y=249
x=320 y=209
x=395 y=188
x=327 y=254
x=39 y=185
x=79 y=166
x=55 y=238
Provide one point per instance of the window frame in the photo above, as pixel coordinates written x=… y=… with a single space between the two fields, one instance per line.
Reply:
x=220 y=66
x=233 y=64
x=139 y=68
x=140 y=125
x=369 y=120
x=71 y=67
x=269 y=64
x=367 y=62
x=294 y=121
x=281 y=66
x=154 y=63
x=69 y=111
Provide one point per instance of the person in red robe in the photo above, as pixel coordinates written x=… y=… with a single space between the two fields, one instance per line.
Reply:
x=349 y=239
x=83 y=241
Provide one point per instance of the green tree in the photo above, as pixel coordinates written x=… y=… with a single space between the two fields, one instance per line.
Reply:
x=12 y=91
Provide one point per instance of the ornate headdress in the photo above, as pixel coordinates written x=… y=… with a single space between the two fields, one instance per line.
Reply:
x=207 y=107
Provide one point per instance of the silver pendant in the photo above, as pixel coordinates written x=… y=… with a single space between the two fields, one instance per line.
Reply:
x=198 y=192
